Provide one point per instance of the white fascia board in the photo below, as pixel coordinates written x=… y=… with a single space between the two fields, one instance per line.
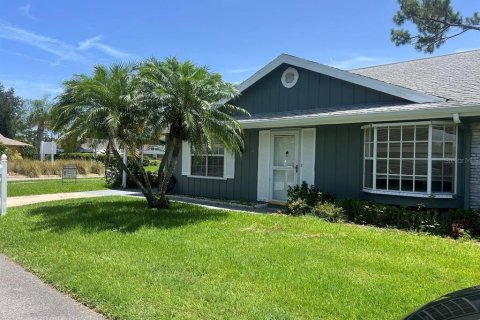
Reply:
x=371 y=83
x=379 y=116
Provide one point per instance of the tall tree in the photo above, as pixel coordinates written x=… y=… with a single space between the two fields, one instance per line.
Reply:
x=191 y=103
x=130 y=109
x=436 y=22
x=11 y=107
x=39 y=117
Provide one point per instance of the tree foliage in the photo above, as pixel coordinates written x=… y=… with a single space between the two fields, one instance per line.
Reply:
x=39 y=118
x=435 y=20
x=130 y=106
x=11 y=107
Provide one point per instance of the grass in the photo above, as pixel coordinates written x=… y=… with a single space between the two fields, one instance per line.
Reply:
x=189 y=262
x=151 y=168
x=24 y=188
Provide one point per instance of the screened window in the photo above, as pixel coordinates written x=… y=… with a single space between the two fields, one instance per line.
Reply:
x=209 y=164
x=418 y=158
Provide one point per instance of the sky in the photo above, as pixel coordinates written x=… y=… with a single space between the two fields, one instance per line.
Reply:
x=43 y=42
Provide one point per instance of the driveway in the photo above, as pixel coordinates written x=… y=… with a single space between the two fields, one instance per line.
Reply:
x=24 y=296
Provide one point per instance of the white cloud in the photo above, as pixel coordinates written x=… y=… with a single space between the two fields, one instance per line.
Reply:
x=243 y=70
x=355 y=62
x=96 y=44
x=22 y=55
x=466 y=49
x=61 y=50
x=26 y=11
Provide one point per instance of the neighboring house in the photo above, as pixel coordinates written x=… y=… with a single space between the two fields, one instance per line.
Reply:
x=12 y=144
x=404 y=133
x=153 y=152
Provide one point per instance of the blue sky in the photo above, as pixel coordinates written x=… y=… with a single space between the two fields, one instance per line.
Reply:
x=44 y=42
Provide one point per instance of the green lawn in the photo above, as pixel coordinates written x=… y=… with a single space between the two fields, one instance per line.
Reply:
x=151 y=168
x=24 y=188
x=195 y=263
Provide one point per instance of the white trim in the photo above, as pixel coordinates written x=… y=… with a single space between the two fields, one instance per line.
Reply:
x=410 y=194
x=263 y=175
x=186 y=158
x=371 y=83
x=345 y=117
x=286 y=84
x=430 y=159
x=206 y=177
x=296 y=134
x=407 y=123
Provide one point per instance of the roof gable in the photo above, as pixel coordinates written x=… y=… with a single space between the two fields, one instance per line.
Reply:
x=398 y=91
x=313 y=90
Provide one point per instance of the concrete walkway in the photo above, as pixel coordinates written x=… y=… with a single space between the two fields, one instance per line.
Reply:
x=32 y=199
x=24 y=296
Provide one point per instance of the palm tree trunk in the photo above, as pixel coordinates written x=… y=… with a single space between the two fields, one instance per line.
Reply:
x=39 y=137
x=165 y=160
x=169 y=169
x=152 y=200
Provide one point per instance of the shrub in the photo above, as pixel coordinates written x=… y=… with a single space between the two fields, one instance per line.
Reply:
x=76 y=156
x=304 y=192
x=29 y=152
x=329 y=211
x=35 y=168
x=298 y=207
x=457 y=223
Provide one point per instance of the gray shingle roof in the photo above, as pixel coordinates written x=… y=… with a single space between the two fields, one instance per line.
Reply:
x=454 y=77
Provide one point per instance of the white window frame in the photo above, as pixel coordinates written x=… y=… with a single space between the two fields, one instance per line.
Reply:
x=373 y=158
x=206 y=155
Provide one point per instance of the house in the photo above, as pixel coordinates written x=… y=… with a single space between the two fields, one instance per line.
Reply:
x=404 y=133
x=13 y=144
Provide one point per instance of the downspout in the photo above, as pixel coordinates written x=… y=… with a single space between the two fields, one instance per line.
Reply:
x=466 y=161
x=467 y=142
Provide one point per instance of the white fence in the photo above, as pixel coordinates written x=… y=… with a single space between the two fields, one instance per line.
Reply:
x=3 y=185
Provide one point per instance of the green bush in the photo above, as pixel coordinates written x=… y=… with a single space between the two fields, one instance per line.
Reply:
x=298 y=207
x=459 y=223
x=29 y=152
x=76 y=156
x=329 y=211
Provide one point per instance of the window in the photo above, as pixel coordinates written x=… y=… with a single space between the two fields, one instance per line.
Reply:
x=208 y=164
x=417 y=158
x=289 y=77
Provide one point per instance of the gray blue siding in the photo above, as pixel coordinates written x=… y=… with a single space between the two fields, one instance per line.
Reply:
x=312 y=91
x=338 y=170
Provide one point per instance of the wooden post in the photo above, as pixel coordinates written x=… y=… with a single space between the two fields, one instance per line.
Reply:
x=3 y=191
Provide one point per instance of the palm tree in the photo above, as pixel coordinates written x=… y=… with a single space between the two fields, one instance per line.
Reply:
x=133 y=106
x=104 y=106
x=190 y=102
x=39 y=117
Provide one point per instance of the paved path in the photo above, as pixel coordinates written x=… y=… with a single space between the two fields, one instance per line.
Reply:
x=24 y=296
x=32 y=199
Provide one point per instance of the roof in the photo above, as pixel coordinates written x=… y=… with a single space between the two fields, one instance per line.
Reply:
x=442 y=86
x=10 y=142
x=454 y=77
x=351 y=77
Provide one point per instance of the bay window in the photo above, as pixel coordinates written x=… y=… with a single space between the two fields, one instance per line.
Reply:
x=412 y=159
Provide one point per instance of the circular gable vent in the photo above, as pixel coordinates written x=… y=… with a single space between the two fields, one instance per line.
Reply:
x=289 y=77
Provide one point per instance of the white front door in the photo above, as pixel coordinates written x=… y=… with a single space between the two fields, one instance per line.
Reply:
x=284 y=165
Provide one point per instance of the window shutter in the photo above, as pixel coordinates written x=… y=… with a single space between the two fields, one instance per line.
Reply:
x=307 y=156
x=229 y=165
x=263 y=182
x=186 y=158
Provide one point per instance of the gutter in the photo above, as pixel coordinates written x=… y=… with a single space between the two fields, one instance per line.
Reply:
x=346 y=118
